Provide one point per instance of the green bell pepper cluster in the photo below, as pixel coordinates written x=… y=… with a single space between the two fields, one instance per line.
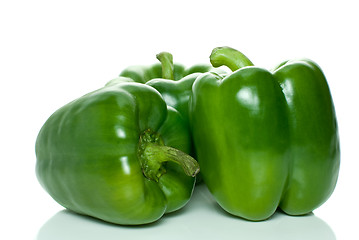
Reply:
x=125 y=153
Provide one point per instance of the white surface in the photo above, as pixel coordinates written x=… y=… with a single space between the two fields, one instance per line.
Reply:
x=53 y=52
x=200 y=219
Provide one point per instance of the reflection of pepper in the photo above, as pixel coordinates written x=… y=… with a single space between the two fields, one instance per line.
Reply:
x=112 y=154
x=265 y=139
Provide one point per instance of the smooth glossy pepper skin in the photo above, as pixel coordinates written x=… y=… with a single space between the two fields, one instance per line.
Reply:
x=106 y=155
x=176 y=93
x=265 y=139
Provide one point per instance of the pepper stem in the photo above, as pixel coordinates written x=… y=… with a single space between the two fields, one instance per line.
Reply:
x=156 y=155
x=166 y=60
x=229 y=57
x=153 y=154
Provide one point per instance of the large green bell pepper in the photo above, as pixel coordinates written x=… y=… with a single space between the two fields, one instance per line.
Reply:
x=265 y=139
x=117 y=154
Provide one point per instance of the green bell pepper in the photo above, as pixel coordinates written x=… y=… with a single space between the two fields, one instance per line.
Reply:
x=265 y=139
x=165 y=69
x=117 y=154
x=173 y=81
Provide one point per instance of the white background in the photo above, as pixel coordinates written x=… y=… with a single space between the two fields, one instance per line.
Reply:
x=52 y=52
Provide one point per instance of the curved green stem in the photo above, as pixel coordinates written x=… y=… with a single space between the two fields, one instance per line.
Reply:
x=153 y=154
x=166 y=60
x=232 y=58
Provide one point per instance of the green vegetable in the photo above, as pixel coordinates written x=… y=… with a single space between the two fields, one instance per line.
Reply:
x=173 y=81
x=166 y=69
x=176 y=92
x=117 y=154
x=265 y=139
